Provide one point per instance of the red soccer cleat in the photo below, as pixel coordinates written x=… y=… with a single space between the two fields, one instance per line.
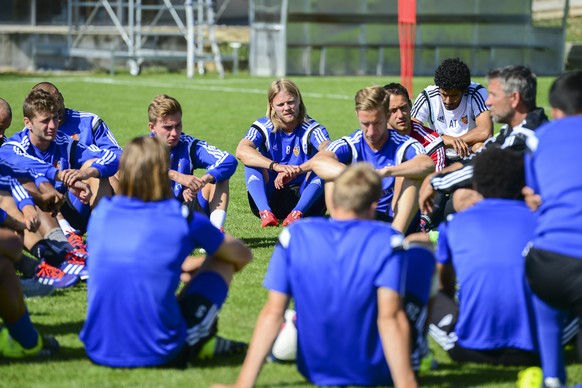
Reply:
x=268 y=219
x=292 y=217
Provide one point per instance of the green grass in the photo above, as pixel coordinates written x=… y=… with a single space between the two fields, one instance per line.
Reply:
x=220 y=112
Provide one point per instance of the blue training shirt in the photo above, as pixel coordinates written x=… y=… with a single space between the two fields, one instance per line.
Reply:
x=89 y=128
x=333 y=270
x=191 y=153
x=397 y=149
x=293 y=148
x=553 y=172
x=137 y=249
x=484 y=243
x=19 y=150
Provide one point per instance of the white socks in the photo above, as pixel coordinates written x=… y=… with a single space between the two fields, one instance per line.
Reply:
x=218 y=218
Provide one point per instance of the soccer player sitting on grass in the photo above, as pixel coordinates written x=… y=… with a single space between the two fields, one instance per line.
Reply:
x=88 y=128
x=346 y=277
x=144 y=232
x=77 y=170
x=480 y=248
x=455 y=108
x=277 y=152
x=208 y=194
x=18 y=336
x=400 y=160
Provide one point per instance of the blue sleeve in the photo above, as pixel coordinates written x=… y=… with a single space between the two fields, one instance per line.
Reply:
x=220 y=164
x=530 y=176
x=412 y=150
x=256 y=136
x=204 y=234
x=277 y=276
x=342 y=150
x=107 y=163
x=443 y=253
x=392 y=274
x=104 y=138
x=16 y=156
x=3 y=216
x=20 y=194
x=318 y=136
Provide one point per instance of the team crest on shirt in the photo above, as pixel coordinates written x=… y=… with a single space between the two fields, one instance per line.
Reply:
x=464 y=120
x=296 y=150
x=75 y=136
x=57 y=164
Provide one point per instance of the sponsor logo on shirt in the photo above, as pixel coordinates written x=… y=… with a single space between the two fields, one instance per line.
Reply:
x=441 y=119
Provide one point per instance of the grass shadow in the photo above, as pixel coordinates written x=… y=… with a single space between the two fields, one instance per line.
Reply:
x=260 y=242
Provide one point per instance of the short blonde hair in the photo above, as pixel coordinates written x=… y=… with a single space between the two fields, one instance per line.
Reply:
x=143 y=170
x=162 y=106
x=288 y=86
x=357 y=188
x=372 y=98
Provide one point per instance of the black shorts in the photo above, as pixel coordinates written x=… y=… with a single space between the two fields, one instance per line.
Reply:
x=555 y=278
x=283 y=201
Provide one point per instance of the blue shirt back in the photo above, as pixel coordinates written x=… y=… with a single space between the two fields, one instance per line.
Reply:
x=484 y=244
x=333 y=270
x=137 y=249
x=553 y=172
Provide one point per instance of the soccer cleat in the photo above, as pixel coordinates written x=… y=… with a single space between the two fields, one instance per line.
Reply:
x=52 y=276
x=292 y=217
x=268 y=219
x=75 y=265
x=33 y=289
x=9 y=348
x=221 y=347
x=79 y=247
x=532 y=377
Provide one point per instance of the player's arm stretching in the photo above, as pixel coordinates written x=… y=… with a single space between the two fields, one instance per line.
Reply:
x=415 y=164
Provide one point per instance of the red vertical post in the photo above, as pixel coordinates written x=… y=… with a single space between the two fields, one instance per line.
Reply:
x=407 y=39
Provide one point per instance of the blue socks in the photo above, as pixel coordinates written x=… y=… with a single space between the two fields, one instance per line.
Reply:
x=23 y=331
x=311 y=193
x=256 y=187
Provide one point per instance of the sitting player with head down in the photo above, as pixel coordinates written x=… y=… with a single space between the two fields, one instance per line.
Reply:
x=345 y=276
x=498 y=320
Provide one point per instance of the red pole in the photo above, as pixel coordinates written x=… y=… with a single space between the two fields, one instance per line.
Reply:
x=407 y=39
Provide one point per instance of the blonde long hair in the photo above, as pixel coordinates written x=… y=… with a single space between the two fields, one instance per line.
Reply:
x=290 y=87
x=143 y=171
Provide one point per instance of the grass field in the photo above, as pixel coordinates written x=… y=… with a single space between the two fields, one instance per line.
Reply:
x=220 y=112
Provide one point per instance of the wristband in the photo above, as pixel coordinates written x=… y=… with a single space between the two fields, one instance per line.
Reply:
x=271 y=165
